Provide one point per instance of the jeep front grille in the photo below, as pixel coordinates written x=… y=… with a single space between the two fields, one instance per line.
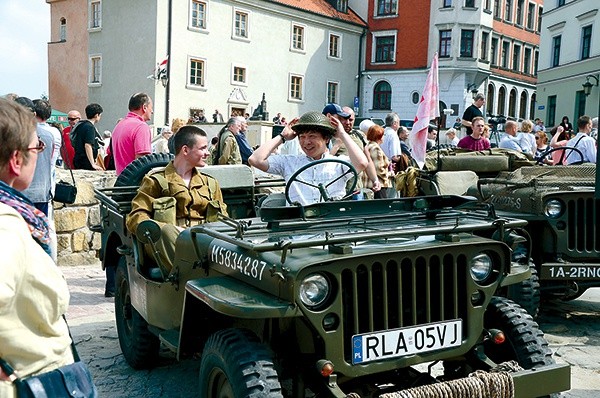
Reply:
x=583 y=215
x=414 y=291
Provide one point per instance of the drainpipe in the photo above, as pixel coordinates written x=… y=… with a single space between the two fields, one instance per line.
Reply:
x=359 y=74
x=170 y=61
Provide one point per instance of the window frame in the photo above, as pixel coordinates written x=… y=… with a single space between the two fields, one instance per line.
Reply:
x=470 y=5
x=519 y=12
x=335 y=98
x=95 y=70
x=445 y=44
x=338 y=46
x=505 y=54
x=291 y=87
x=494 y=51
x=392 y=5
x=446 y=3
x=234 y=68
x=483 y=46
x=530 y=16
x=94 y=15
x=466 y=43
x=188 y=81
x=527 y=60
x=191 y=16
x=551 y=113
x=62 y=30
x=586 y=42
x=293 y=41
x=508 y=10
x=235 y=35
x=516 y=57
x=555 y=51
x=377 y=96
x=379 y=35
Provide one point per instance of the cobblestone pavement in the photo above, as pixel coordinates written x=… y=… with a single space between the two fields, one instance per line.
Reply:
x=572 y=328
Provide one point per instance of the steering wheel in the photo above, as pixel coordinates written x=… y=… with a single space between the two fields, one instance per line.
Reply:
x=540 y=161
x=322 y=187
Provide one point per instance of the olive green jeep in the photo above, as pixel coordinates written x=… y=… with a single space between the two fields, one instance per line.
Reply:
x=559 y=203
x=371 y=298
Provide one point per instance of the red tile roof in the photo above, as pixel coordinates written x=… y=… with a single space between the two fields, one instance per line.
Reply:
x=322 y=7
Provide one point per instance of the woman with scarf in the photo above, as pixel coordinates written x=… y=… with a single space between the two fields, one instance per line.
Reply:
x=34 y=337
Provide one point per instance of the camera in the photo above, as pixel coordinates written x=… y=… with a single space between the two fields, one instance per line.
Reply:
x=496 y=120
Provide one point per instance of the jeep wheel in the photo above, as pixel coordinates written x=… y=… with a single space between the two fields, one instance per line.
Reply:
x=139 y=346
x=133 y=174
x=525 y=342
x=527 y=293
x=235 y=364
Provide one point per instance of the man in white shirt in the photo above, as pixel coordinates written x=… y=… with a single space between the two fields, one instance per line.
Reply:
x=391 y=142
x=583 y=142
x=509 y=140
x=314 y=131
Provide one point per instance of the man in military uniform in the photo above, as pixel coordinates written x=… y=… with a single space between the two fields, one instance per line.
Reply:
x=178 y=195
x=338 y=148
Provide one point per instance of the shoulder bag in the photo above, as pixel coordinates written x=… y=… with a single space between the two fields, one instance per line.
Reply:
x=65 y=192
x=73 y=380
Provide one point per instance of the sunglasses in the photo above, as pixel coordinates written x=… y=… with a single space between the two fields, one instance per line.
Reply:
x=73 y=118
x=39 y=148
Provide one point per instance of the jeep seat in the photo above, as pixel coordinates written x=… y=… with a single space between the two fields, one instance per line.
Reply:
x=455 y=182
x=237 y=185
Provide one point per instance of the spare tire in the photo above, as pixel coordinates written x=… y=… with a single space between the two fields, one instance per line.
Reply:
x=136 y=170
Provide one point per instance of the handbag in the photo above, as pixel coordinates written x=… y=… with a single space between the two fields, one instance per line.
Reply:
x=65 y=192
x=73 y=380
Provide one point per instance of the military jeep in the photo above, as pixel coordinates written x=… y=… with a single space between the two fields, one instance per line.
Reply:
x=369 y=298
x=558 y=203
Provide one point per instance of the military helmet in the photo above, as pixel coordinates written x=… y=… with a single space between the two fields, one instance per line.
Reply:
x=314 y=121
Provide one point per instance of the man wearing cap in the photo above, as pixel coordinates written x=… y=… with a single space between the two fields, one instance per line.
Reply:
x=338 y=148
x=314 y=131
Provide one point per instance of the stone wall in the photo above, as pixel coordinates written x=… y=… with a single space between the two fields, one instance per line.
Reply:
x=78 y=245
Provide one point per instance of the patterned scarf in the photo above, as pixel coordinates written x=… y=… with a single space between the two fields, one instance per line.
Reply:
x=36 y=220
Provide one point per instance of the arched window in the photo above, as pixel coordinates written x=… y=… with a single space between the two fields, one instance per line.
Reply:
x=382 y=96
x=502 y=101
x=523 y=105
x=489 y=100
x=63 y=29
x=532 y=106
x=512 y=103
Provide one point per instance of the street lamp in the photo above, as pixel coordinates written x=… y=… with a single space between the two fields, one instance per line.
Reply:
x=587 y=86
x=164 y=80
x=587 y=90
x=473 y=88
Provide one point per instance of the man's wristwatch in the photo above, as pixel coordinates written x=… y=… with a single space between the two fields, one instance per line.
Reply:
x=282 y=137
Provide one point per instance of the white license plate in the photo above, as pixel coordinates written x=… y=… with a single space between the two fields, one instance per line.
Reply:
x=394 y=343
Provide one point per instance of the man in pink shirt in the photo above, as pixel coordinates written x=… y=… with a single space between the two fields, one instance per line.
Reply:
x=132 y=137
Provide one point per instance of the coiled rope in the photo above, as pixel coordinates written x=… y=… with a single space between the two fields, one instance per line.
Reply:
x=497 y=383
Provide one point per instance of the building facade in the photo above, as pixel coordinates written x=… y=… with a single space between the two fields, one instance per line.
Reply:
x=570 y=57
x=483 y=46
x=221 y=54
x=68 y=55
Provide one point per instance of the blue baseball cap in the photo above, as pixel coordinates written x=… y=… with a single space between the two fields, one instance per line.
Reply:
x=335 y=109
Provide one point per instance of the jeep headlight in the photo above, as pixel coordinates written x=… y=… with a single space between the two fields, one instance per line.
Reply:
x=481 y=267
x=314 y=290
x=553 y=208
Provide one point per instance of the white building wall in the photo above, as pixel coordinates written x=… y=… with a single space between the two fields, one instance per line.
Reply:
x=565 y=81
x=134 y=39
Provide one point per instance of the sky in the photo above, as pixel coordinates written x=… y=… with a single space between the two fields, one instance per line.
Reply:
x=24 y=37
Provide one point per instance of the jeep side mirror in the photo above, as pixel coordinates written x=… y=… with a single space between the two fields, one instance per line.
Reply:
x=148 y=231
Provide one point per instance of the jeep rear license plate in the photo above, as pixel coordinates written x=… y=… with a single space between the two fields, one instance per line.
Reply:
x=371 y=347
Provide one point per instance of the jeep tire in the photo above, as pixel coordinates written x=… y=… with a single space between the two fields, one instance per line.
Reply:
x=525 y=342
x=133 y=174
x=527 y=293
x=235 y=364
x=139 y=346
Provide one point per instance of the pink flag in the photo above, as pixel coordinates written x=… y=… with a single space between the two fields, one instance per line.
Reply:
x=428 y=109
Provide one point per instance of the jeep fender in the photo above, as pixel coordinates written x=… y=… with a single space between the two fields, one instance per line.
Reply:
x=236 y=299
